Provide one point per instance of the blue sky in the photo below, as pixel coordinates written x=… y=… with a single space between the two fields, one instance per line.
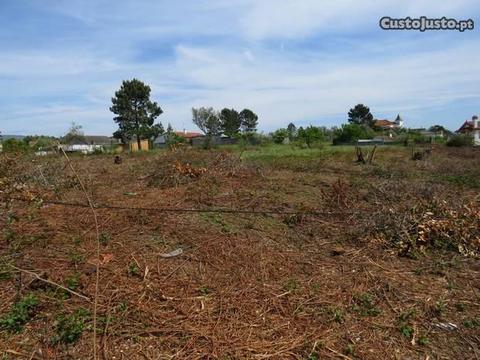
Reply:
x=301 y=61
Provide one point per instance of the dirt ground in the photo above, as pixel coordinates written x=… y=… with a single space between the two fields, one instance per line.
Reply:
x=327 y=258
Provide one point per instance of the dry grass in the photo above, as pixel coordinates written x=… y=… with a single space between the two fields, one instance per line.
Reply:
x=366 y=284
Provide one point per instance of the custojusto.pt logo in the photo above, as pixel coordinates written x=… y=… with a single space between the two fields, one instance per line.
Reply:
x=423 y=24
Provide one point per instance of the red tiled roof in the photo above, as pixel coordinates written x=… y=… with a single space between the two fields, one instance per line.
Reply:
x=188 y=135
x=384 y=123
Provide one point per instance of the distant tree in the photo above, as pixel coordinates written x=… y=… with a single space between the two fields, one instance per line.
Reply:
x=207 y=120
x=169 y=128
x=14 y=146
x=249 y=121
x=351 y=132
x=280 y=135
x=136 y=113
x=439 y=128
x=310 y=135
x=360 y=115
x=74 y=133
x=230 y=122
x=292 y=131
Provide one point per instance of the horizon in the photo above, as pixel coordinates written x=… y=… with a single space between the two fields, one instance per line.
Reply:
x=303 y=62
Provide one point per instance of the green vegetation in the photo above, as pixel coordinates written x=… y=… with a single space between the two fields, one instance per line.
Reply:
x=69 y=327
x=365 y=305
x=21 y=312
x=460 y=140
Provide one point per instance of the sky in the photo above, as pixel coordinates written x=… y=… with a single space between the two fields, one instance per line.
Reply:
x=301 y=61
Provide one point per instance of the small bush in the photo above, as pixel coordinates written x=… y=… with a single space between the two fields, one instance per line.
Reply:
x=349 y=133
x=21 y=312
x=460 y=140
x=69 y=328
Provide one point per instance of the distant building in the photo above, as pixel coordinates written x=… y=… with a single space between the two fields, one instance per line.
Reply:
x=88 y=144
x=162 y=140
x=471 y=127
x=389 y=125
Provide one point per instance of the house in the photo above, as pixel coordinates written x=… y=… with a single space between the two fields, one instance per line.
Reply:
x=388 y=125
x=88 y=144
x=162 y=140
x=471 y=127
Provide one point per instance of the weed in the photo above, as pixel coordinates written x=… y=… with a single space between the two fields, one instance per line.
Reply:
x=406 y=331
x=439 y=308
x=69 y=328
x=365 y=306
x=104 y=239
x=76 y=258
x=133 y=269
x=218 y=220
x=338 y=316
x=73 y=281
x=292 y=285
x=123 y=307
x=204 y=291
x=422 y=340
x=471 y=323
x=5 y=272
x=21 y=312
x=349 y=350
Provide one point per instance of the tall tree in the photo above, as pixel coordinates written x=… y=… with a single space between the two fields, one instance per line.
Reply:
x=360 y=115
x=292 y=131
x=207 y=120
x=136 y=113
x=230 y=122
x=169 y=128
x=249 y=121
x=75 y=133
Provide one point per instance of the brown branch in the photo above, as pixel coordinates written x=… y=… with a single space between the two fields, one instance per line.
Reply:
x=50 y=282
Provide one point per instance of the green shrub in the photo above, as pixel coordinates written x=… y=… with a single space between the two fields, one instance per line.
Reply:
x=280 y=135
x=14 y=146
x=21 y=312
x=349 y=133
x=460 y=140
x=69 y=328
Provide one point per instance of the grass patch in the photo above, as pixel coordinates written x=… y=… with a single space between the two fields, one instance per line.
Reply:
x=21 y=312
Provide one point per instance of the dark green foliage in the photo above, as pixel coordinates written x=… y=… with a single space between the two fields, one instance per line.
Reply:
x=349 y=133
x=21 y=312
x=230 y=122
x=360 y=115
x=135 y=112
x=460 y=140
x=14 y=146
x=249 y=121
x=292 y=131
x=69 y=328
x=310 y=135
x=280 y=135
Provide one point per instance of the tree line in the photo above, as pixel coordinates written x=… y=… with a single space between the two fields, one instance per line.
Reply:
x=135 y=115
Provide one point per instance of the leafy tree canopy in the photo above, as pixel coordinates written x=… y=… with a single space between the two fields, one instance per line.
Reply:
x=352 y=132
x=135 y=112
x=249 y=121
x=207 y=120
x=360 y=115
x=230 y=122
x=310 y=134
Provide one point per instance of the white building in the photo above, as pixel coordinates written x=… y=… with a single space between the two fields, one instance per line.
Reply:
x=471 y=127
